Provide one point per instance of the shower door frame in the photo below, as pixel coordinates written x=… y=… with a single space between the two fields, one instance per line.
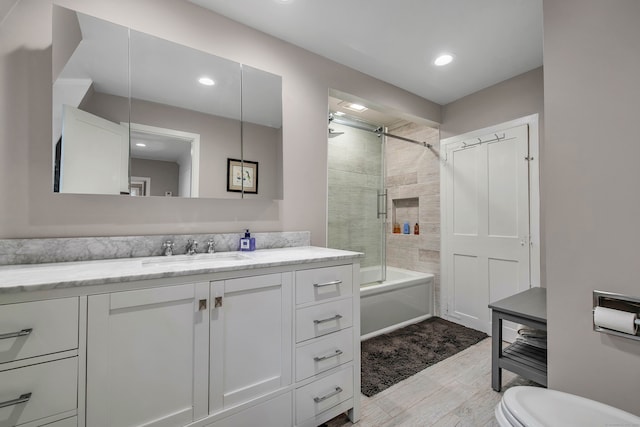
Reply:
x=381 y=196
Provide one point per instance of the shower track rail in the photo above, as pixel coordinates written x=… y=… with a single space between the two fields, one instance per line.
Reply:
x=379 y=131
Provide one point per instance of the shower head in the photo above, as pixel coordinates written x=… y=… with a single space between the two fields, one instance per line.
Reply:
x=333 y=133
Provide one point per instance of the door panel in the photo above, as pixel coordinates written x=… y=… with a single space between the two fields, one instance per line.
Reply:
x=502 y=275
x=502 y=191
x=467 y=289
x=465 y=192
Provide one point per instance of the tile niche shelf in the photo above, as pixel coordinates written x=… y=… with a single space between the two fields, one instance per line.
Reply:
x=406 y=209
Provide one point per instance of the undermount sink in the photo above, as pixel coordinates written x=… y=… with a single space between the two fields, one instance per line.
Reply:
x=214 y=258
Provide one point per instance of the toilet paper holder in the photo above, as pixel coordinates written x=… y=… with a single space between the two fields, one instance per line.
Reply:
x=616 y=302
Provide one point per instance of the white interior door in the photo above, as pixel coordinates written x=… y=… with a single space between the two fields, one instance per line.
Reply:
x=486 y=236
x=95 y=154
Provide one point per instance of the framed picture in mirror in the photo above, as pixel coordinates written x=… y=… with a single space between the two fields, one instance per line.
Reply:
x=242 y=176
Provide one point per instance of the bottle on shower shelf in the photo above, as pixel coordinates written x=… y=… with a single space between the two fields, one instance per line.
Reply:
x=416 y=229
x=396 y=228
x=405 y=229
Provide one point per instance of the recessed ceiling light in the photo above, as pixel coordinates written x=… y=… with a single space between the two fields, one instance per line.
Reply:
x=140 y=144
x=206 y=81
x=356 y=107
x=443 y=59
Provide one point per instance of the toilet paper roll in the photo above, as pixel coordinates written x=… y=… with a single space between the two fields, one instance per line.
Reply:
x=621 y=321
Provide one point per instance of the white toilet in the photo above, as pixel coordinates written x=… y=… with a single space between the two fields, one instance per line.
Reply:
x=539 y=407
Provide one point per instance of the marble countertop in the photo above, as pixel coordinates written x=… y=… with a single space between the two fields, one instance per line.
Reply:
x=38 y=277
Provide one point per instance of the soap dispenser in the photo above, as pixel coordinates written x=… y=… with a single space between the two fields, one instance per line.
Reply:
x=247 y=243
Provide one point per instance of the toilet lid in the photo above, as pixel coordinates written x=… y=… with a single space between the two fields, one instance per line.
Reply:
x=540 y=407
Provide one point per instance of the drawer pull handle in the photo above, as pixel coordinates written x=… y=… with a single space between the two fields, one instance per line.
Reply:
x=22 y=399
x=321 y=285
x=336 y=317
x=22 y=333
x=321 y=358
x=338 y=390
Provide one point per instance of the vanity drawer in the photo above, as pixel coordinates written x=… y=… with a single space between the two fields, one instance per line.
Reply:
x=323 y=394
x=319 y=284
x=324 y=353
x=53 y=326
x=53 y=387
x=322 y=319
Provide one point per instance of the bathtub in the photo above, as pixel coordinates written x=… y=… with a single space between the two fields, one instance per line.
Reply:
x=406 y=297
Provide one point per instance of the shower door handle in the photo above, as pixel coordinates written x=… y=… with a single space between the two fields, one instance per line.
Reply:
x=382 y=203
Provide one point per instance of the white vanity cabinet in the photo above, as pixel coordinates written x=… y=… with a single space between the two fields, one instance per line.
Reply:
x=273 y=342
x=147 y=356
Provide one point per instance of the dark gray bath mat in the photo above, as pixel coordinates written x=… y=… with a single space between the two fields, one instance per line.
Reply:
x=390 y=358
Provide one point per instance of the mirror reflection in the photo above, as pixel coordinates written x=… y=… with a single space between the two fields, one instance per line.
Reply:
x=141 y=116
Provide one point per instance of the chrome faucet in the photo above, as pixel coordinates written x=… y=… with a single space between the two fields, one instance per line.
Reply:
x=211 y=246
x=192 y=247
x=167 y=248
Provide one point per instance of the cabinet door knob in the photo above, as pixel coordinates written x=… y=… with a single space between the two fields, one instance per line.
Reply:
x=202 y=304
x=217 y=302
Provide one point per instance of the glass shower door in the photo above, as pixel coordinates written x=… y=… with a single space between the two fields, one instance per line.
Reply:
x=356 y=201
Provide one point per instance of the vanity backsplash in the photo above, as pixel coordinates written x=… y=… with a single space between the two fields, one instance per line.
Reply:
x=36 y=251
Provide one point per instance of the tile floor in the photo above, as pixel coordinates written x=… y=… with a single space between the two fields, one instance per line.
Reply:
x=454 y=392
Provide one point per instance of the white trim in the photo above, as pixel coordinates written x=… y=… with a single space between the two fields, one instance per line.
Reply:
x=534 y=199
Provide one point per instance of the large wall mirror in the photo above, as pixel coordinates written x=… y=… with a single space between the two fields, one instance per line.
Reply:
x=137 y=115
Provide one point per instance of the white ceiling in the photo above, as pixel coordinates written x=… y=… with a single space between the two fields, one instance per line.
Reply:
x=397 y=41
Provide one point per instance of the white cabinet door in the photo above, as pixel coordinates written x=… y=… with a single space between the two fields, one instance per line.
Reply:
x=251 y=338
x=147 y=351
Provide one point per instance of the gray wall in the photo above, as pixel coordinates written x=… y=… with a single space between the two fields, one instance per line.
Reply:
x=29 y=209
x=164 y=175
x=591 y=199
x=508 y=100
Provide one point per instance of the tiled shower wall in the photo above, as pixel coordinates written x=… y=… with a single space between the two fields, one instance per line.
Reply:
x=355 y=175
x=413 y=172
